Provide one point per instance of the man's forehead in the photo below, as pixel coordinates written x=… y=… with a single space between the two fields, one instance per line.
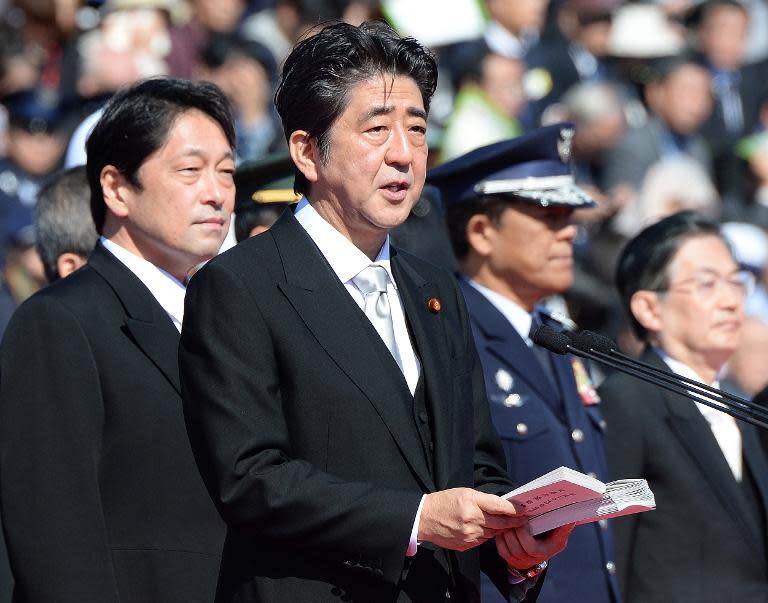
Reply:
x=384 y=93
x=703 y=254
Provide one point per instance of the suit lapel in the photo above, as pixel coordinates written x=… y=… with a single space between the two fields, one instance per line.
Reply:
x=146 y=323
x=429 y=338
x=695 y=435
x=506 y=344
x=342 y=329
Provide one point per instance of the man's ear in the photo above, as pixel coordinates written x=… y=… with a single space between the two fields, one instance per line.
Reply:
x=304 y=152
x=645 y=308
x=68 y=262
x=115 y=189
x=480 y=233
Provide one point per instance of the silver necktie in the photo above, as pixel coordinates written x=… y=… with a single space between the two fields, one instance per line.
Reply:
x=372 y=281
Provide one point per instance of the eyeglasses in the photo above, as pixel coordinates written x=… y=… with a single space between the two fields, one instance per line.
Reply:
x=706 y=284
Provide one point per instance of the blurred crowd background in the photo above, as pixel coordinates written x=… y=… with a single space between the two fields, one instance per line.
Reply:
x=669 y=99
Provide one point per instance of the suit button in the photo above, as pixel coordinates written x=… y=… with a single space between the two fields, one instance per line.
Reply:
x=423 y=417
x=611 y=568
x=603 y=523
x=513 y=400
x=431 y=446
x=577 y=435
x=522 y=428
x=592 y=474
x=603 y=424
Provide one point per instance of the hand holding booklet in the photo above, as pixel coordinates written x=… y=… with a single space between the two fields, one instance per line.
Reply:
x=566 y=496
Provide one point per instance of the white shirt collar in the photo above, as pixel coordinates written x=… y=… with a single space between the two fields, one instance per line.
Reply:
x=517 y=316
x=681 y=368
x=168 y=291
x=345 y=259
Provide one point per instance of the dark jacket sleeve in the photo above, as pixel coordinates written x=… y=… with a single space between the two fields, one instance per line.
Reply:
x=232 y=392
x=51 y=417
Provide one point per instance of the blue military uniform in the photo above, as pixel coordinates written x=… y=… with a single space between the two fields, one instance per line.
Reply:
x=543 y=405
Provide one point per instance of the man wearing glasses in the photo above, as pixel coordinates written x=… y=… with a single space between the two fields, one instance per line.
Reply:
x=684 y=294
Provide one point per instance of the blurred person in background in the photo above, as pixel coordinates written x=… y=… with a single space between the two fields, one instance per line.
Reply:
x=684 y=293
x=678 y=99
x=264 y=188
x=749 y=244
x=721 y=28
x=245 y=71
x=669 y=186
x=131 y=43
x=576 y=53
x=64 y=230
x=488 y=102
x=35 y=143
x=514 y=26
x=745 y=373
x=46 y=32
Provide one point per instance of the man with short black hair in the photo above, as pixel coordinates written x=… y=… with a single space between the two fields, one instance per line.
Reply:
x=100 y=494
x=684 y=294
x=331 y=387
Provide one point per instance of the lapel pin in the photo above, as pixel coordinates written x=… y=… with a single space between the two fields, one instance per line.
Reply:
x=434 y=305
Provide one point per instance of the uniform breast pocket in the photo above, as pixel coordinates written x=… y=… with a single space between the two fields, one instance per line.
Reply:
x=521 y=423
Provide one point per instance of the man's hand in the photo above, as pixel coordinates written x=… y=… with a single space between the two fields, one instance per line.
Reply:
x=521 y=550
x=462 y=518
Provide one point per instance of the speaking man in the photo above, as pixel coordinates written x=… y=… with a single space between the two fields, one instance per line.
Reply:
x=101 y=497
x=509 y=211
x=706 y=542
x=331 y=386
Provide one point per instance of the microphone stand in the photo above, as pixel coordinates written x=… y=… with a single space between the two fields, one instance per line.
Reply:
x=605 y=348
x=561 y=343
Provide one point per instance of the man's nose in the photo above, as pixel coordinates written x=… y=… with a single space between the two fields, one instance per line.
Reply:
x=400 y=150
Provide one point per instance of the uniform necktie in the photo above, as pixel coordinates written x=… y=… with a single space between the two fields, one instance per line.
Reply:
x=372 y=282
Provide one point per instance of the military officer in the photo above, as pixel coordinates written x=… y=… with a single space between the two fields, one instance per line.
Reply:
x=509 y=211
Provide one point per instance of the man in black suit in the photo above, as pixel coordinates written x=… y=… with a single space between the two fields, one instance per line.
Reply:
x=101 y=497
x=331 y=387
x=706 y=541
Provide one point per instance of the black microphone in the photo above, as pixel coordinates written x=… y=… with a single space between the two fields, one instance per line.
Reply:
x=600 y=344
x=561 y=343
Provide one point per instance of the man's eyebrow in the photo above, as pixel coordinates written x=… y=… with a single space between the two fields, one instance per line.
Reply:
x=387 y=109
x=203 y=154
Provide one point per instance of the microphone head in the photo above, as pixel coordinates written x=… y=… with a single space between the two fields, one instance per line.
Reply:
x=590 y=341
x=548 y=338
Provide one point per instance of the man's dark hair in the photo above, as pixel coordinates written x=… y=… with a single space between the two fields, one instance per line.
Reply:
x=457 y=217
x=136 y=122
x=643 y=263
x=322 y=69
x=63 y=222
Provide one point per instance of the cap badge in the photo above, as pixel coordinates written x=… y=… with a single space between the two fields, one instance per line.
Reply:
x=564 y=144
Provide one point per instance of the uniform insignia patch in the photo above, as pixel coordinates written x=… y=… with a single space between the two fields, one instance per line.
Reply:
x=584 y=384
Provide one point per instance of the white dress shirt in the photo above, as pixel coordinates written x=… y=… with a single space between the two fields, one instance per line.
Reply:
x=347 y=261
x=723 y=426
x=168 y=291
x=517 y=316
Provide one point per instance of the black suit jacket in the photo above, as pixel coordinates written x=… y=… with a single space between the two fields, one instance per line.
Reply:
x=306 y=432
x=101 y=498
x=704 y=542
